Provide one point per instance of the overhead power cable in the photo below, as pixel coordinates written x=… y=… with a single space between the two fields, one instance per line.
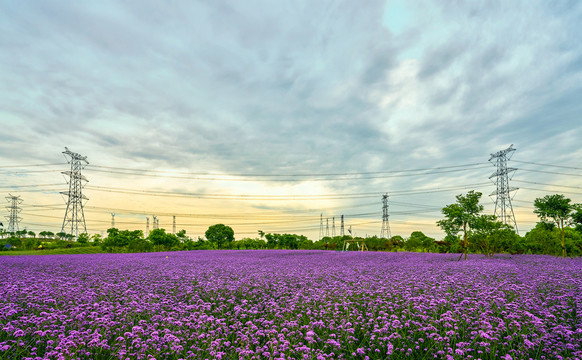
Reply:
x=548 y=172
x=29 y=165
x=550 y=165
x=272 y=177
x=538 y=183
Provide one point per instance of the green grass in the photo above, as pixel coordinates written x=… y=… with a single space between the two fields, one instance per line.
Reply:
x=64 y=251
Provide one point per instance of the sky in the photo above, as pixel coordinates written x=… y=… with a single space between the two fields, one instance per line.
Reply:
x=283 y=116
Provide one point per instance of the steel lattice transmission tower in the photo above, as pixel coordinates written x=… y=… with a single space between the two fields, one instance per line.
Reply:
x=321 y=226
x=385 y=224
x=74 y=215
x=503 y=207
x=342 y=233
x=13 y=218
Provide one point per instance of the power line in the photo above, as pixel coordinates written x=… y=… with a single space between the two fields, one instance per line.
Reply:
x=538 y=183
x=29 y=165
x=550 y=165
x=548 y=172
x=290 y=175
x=281 y=177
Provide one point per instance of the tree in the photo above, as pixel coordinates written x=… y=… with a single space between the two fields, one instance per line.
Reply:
x=32 y=233
x=461 y=216
x=577 y=217
x=558 y=209
x=181 y=235
x=97 y=239
x=83 y=238
x=486 y=233
x=220 y=235
x=160 y=238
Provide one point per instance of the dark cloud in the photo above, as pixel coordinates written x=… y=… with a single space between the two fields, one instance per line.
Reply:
x=301 y=87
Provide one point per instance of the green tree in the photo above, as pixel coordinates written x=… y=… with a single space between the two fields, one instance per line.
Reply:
x=220 y=234
x=83 y=238
x=461 y=216
x=486 y=229
x=97 y=239
x=181 y=235
x=31 y=233
x=558 y=209
x=577 y=217
x=159 y=237
x=61 y=235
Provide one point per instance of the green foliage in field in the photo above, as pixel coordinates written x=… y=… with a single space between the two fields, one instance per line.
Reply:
x=558 y=232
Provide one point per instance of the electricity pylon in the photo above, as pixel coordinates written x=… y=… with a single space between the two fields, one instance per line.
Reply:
x=385 y=234
x=321 y=226
x=74 y=215
x=13 y=218
x=503 y=207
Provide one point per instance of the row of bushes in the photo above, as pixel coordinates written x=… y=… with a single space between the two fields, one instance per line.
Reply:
x=543 y=239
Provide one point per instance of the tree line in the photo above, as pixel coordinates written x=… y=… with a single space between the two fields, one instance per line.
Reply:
x=559 y=232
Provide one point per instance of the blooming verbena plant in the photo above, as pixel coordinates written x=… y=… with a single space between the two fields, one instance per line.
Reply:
x=289 y=305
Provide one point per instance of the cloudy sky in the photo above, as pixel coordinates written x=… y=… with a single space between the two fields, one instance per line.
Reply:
x=269 y=115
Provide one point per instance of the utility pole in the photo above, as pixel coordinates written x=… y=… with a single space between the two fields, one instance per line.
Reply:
x=385 y=234
x=342 y=233
x=174 y=225
x=112 y=220
x=74 y=215
x=147 y=226
x=333 y=227
x=503 y=207
x=13 y=219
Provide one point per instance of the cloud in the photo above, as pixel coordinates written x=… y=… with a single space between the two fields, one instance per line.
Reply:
x=297 y=88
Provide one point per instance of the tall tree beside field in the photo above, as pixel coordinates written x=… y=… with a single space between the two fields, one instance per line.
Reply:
x=577 y=217
x=462 y=216
x=556 y=208
x=220 y=234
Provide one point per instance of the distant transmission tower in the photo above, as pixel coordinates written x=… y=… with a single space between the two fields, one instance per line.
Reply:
x=155 y=221
x=74 y=215
x=342 y=233
x=333 y=226
x=321 y=226
x=174 y=225
x=112 y=220
x=147 y=226
x=503 y=207
x=327 y=227
x=385 y=225
x=13 y=219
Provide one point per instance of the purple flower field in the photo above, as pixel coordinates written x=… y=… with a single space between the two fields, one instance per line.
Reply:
x=289 y=305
